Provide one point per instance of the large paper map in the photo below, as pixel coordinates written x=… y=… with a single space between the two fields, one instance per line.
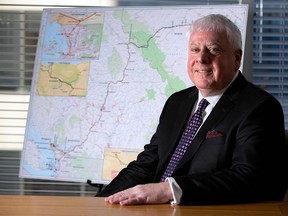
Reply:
x=101 y=78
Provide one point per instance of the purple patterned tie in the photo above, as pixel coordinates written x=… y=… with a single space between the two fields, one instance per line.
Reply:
x=186 y=139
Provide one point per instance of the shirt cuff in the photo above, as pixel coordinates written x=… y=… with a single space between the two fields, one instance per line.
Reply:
x=176 y=191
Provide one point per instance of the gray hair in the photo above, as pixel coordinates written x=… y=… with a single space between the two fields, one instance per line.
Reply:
x=219 y=23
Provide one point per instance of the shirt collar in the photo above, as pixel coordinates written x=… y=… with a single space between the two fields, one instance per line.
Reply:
x=215 y=98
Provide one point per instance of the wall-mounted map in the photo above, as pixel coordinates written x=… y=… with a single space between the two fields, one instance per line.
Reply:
x=101 y=78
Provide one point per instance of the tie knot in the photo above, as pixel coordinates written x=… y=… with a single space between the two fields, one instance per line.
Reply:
x=203 y=104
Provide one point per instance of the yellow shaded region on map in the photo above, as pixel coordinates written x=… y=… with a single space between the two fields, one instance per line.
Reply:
x=63 y=79
x=115 y=159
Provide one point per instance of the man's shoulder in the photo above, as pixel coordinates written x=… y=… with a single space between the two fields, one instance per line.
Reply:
x=256 y=92
x=181 y=96
x=249 y=90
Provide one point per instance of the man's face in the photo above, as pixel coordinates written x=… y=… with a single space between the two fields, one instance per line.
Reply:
x=212 y=62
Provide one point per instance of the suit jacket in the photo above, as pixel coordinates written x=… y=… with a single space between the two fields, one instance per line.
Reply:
x=238 y=155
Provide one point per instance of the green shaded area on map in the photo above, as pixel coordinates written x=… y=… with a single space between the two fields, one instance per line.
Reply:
x=142 y=38
x=114 y=62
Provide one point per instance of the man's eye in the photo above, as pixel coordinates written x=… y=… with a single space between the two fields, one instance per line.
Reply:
x=193 y=49
x=215 y=50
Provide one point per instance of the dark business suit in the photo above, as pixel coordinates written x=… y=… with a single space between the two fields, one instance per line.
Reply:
x=236 y=156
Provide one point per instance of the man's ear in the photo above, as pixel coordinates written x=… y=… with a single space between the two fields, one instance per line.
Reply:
x=238 y=57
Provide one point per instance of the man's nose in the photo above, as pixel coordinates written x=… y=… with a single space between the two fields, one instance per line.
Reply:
x=203 y=57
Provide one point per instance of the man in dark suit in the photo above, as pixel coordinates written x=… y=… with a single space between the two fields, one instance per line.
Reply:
x=237 y=155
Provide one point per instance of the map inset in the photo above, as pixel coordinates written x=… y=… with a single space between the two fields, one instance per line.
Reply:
x=73 y=35
x=63 y=79
x=101 y=78
x=115 y=159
